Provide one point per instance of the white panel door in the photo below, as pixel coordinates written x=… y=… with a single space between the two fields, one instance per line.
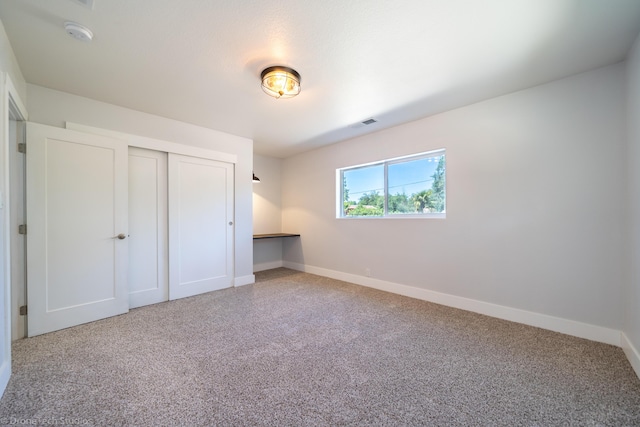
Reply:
x=200 y=225
x=148 y=257
x=76 y=208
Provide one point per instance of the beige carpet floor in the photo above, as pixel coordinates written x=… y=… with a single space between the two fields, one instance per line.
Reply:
x=302 y=350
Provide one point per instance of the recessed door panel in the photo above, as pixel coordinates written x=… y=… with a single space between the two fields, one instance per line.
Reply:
x=76 y=207
x=148 y=258
x=200 y=225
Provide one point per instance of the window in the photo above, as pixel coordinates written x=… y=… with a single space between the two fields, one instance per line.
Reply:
x=403 y=187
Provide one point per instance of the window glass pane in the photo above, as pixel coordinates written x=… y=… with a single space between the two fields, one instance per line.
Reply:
x=410 y=186
x=363 y=191
x=416 y=186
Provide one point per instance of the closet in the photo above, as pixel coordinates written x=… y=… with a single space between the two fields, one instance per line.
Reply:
x=112 y=226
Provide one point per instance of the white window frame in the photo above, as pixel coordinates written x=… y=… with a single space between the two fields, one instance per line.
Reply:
x=386 y=215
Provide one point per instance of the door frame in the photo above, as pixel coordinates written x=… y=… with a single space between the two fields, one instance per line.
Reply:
x=17 y=217
x=11 y=108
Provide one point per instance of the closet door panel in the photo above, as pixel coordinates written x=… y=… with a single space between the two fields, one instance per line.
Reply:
x=148 y=228
x=200 y=225
x=77 y=250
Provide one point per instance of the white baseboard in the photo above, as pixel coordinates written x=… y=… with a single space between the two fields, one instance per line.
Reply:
x=556 y=324
x=244 y=280
x=267 y=265
x=5 y=373
x=632 y=353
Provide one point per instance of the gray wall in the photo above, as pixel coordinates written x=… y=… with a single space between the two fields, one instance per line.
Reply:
x=267 y=212
x=535 y=203
x=632 y=290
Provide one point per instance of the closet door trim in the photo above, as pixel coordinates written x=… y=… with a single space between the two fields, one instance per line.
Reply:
x=157 y=144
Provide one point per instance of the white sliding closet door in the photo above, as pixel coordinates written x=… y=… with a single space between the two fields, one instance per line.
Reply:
x=200 y=225
x=76 y=209
x=148 y=228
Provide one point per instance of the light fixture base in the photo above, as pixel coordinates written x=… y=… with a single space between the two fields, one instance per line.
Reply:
x=280 y=82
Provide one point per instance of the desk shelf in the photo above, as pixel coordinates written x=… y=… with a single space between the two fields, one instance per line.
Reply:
x=273 y=236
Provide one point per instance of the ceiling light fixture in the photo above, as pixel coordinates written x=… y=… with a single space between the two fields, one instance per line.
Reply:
x=280 y=82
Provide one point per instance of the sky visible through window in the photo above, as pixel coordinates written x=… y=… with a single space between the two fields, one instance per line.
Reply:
x=404 y=178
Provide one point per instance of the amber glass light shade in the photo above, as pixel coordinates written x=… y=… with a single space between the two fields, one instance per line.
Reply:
x=280 y=82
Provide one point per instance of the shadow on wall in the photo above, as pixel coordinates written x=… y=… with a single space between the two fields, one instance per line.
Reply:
x=292 y=250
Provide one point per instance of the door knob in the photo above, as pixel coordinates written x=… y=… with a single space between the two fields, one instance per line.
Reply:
x=121 y=236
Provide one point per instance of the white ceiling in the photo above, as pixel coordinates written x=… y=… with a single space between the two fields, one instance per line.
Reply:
x=199 y=61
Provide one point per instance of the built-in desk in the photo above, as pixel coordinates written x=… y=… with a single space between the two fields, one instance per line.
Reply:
x=273 y=236
x=268 y=249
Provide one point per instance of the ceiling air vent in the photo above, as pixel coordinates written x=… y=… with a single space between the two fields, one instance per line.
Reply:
x=363 y=123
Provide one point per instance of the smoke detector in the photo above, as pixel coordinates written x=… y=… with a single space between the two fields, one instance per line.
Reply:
x=78 y=32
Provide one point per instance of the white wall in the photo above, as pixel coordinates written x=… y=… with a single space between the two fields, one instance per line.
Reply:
x=267 y=195
x=54 y=108
x=632 y=290
x=535 y=203
x=267 y=212
x=9 y=64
